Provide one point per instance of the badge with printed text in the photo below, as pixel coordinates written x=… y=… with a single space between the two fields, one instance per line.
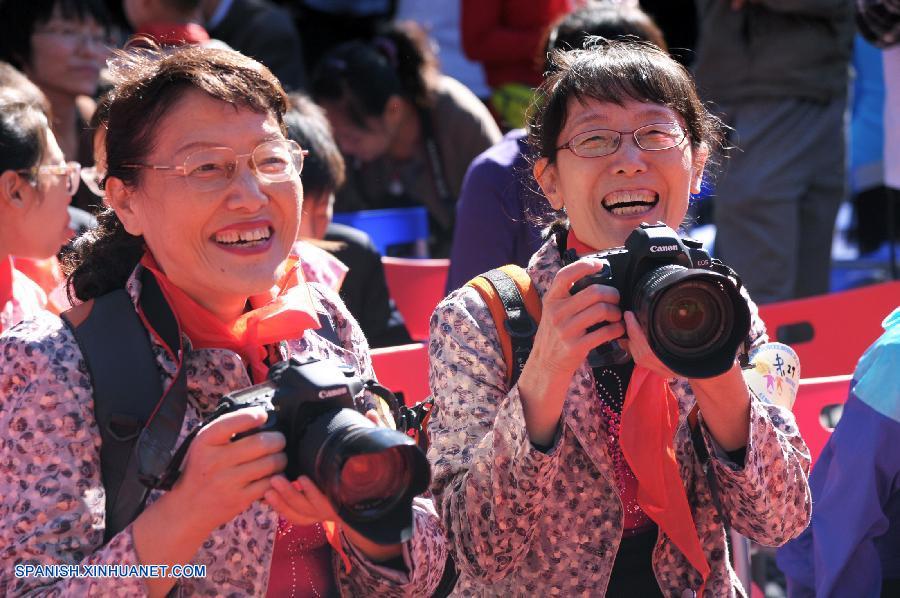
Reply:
x=775 y=375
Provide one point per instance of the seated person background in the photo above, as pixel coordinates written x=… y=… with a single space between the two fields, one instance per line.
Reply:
x=363 y=289
x=499 y=199
x=36 y=186
x=852 y=545
x=408 y=132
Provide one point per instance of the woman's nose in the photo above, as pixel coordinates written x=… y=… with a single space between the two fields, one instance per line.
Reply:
x=629 y=159
x=246 y=191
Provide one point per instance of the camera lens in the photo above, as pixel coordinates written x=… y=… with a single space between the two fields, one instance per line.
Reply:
x=371 y=483
x=694 y=319
x=691 y=316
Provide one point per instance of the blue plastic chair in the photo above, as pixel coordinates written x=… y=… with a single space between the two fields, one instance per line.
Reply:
x=393 y=226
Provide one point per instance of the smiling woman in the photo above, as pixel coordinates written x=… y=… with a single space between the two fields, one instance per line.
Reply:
x=602 y=488
x=205 y=201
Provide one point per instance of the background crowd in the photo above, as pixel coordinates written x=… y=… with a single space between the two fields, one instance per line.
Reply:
x=407 y=103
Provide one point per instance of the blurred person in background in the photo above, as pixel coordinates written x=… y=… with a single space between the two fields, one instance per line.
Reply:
x=261 y=30
x=500 y=199
x=61 y=45
x=167 y=22
x=879 y=23
x=852 y=545
x=441 y=20
x=778 y=72
x=325 y=24
x=408 y=132
x=36 y=186
x=506 y=37
x=359 y=273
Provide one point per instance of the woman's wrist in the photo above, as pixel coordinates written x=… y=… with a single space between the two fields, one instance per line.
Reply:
x=724 y=401
x=543 y=394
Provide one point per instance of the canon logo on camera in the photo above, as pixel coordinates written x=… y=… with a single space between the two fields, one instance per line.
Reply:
x=662 y=248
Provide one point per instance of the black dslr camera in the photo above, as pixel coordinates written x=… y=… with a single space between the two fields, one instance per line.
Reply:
x=369 y=473
x=687 y=304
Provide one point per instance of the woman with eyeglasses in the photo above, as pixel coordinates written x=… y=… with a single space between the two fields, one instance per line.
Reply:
x=205 y=201
x=581 y=480
x=36 y=186
x=61 y=45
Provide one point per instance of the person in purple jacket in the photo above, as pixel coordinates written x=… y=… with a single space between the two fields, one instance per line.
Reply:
x=497 y=199
x=852 y=545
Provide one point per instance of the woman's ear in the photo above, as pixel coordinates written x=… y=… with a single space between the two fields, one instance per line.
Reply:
x=547 y=176
x=12 y=189
x=701 y=155
x=123 y=202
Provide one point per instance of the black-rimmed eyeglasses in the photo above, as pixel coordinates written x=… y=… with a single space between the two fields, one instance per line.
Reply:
x=603 y=142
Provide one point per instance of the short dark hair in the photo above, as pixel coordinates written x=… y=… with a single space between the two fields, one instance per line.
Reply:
x=19 y=19
x=323 y=167
x=147 y=83
x=363 y=76
x=617 y=71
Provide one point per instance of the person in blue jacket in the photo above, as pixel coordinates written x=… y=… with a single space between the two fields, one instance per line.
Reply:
x=852 y=546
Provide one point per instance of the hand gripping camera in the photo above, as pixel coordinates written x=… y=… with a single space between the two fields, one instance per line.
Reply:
x=369 y=473
x=687 y=304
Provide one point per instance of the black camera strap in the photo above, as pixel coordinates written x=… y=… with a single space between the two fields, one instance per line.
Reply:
x=129 y=402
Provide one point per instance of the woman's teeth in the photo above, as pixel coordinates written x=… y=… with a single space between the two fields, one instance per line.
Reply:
x=244 y=237
x=630 y=203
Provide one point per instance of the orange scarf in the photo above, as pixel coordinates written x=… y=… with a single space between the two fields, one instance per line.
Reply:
x=648 y=424
x=284 y=312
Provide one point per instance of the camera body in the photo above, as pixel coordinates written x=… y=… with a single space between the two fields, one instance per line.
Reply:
x=688 y=304
x=370 y=474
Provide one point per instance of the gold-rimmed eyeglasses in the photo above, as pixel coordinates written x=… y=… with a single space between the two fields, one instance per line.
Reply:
x=213 y=169
x=70 y=170
x=603 y=142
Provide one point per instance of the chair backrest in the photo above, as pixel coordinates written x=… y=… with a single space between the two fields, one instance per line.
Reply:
x=815 y=399
x=403 y=369
x=830 y=332
x=416 y=286
x=393 y=226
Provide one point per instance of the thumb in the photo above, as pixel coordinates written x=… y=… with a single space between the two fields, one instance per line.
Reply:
x=223 y=429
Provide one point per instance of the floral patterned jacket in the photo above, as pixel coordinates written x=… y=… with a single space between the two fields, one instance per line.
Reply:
x=526 y=523
x=52 y=502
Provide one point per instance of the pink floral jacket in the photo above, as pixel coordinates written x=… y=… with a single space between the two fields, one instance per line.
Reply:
x=52 y=500
x=524 y=522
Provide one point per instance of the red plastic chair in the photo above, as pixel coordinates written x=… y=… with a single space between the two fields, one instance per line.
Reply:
x=831 y=332
x=403 y=369
x=416 y=285
x=815 y=399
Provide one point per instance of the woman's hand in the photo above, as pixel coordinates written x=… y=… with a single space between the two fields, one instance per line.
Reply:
x=221 y=477
x=562 y=343
x=303 y=503
x=724 y=399
x=637 y=345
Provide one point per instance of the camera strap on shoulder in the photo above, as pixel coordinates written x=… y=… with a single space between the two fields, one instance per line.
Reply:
x=129 y=402
x=515 y=306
